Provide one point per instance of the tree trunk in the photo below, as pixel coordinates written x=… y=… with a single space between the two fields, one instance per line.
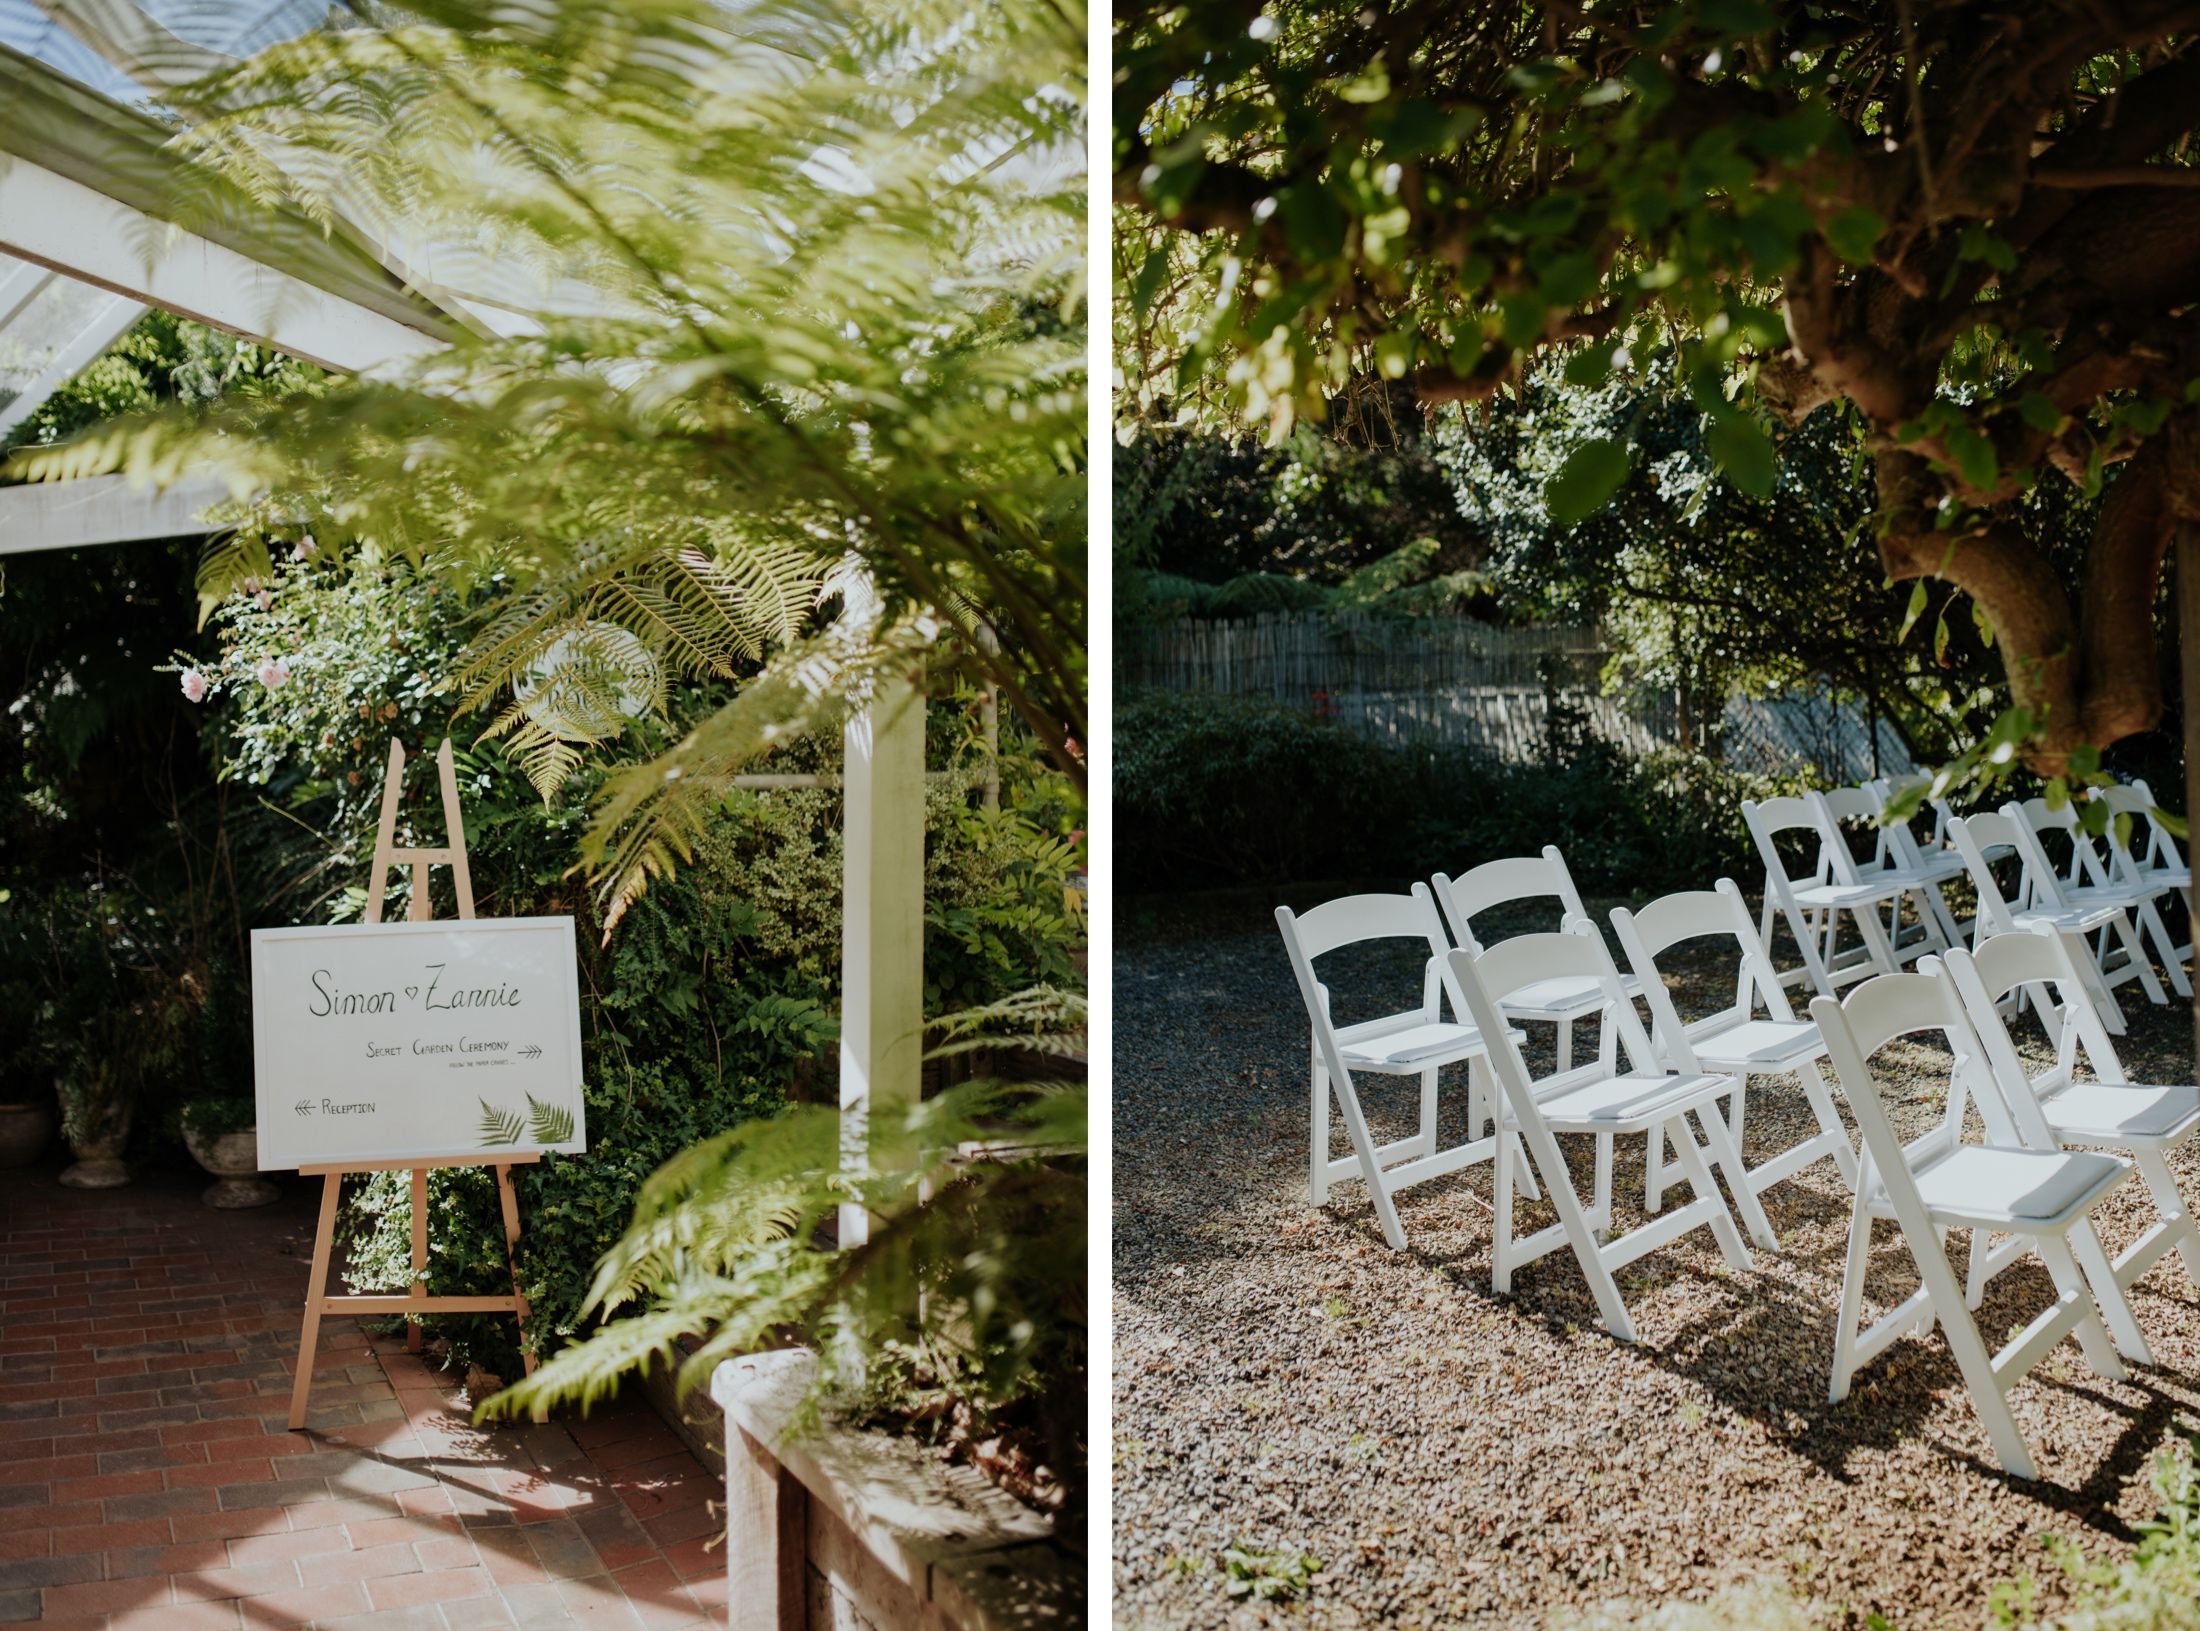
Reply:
x=2188 y=645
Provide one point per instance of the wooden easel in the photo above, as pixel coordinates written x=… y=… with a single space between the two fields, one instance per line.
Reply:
x=416 y=1302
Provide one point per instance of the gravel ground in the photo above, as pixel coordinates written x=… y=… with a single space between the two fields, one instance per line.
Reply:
x=1288 y=1389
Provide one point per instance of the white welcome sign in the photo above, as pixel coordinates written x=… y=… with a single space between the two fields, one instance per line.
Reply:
x=404 y=1041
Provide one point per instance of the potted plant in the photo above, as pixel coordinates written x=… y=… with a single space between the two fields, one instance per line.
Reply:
x=221 y=1136
x=96 y=1111
x=26 y=1128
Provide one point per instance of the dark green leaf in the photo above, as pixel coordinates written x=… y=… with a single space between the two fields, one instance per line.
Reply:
x=1587 y=480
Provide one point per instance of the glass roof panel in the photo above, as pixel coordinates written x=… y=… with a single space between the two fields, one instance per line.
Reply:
x=30 y=31
x=56 y=311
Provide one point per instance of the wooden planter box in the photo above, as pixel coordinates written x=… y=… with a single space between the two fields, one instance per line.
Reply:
x=845 y=1530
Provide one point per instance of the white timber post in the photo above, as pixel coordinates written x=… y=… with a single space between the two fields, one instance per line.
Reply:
x=882 y=929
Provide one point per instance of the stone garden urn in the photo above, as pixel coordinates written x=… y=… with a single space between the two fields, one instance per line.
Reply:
x=25 y=1131
x=99 y=1163
x=234 y=1158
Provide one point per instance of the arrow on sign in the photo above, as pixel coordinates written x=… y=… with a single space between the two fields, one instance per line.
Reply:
x=303 y=1107
x=533 y=1050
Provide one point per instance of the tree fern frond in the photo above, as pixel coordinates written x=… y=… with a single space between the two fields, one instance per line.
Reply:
x=549 y=1123
x=499 y=1126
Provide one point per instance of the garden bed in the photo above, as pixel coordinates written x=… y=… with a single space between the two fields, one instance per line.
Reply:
x=1305 y=1418
x=844 y=1528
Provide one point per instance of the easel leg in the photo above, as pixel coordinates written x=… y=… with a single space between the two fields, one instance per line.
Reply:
x=420 y=1251
x=309 y=1335
x=509 y=1202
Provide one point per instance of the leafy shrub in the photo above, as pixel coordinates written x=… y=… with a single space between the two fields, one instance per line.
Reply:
x=211 y=1118
x=1213 y=791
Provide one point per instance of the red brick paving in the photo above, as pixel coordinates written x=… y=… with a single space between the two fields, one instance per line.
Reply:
x=147 y=1482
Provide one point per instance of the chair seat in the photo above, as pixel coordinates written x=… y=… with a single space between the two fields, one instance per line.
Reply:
x=2159 y=878
x=1628 y=1104
x=1881 y=887
x=1760 y=1046
x=2121 y=896
x=1573 y=996
x=2071 y=920
x=1979 y=1184
x=1411 y=1048
x=2110 y=1113
x=1939 y=865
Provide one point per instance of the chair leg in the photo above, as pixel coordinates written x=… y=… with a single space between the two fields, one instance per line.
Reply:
x=1428 y=1112
x=1501 y=1213
x=2084 y=1247
x=1974 y=1285
x=1601 y=1211
x=1348 y=1099
x=2128 y=938
x=1852 y=1301
x=1654 y=1178
x=2169 y=1201
x=1706 y=1187
x=1945 y=1296
x=1543 y=1148
x=1727 y=1156
x=2154 y=929
x=1565 y=1044
x=1829 y=1119
x=1318 y=1141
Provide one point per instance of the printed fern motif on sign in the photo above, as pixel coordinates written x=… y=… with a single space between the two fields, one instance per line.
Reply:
x=549 y=1123
x=500 y=1126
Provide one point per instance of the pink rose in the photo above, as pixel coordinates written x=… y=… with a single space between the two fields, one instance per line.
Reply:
x=305 y=549
x=274 y=673
x=264 y=600
x=194 y=685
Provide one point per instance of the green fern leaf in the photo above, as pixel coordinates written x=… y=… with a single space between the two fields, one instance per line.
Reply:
x=549 y=1123
x=499 y=1127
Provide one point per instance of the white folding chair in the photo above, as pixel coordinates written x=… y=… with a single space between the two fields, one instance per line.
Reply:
x=1814 y=902
x=1525 y=878
x=1929 y=866
x=2155 y=868
x=1601 y=1100
x=1976 y=836
x=2161 y=861
x=1416 y=1041
x=2086 y=880
x=1937 y=1182
x=1733 y=1041
x=2053 y=1109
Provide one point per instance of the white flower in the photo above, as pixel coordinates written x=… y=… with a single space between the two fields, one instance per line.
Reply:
x=274 y=673
x=194 y=685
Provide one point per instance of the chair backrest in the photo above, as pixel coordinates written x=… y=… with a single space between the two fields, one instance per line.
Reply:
x=2127 y=858
x=1858 y=806
x=2045 y=961
x=1876 y=1012
x=2041 y=819
x=1698 y=914
x=1356 y=920
x=1767 y=819
x=1486 y=978
x=2042 y=885
x=1973 y=835
x=1503 y=883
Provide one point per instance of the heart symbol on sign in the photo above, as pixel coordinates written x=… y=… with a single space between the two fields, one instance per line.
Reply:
x=412 y=991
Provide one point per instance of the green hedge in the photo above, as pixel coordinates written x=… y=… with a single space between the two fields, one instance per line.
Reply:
x=1219 y=791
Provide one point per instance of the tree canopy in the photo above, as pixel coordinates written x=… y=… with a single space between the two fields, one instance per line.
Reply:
x=1970 y=225
x=803 y=289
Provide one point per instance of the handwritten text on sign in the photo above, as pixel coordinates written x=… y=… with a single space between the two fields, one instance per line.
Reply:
x=391 y=1041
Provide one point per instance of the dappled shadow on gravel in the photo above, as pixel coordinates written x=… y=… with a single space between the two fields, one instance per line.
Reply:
x=1284 y=1382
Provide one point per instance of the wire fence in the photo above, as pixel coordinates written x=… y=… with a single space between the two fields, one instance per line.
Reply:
x=1517 y=693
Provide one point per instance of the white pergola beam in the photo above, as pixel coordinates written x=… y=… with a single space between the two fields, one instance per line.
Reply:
x=65 y=226
x=100 y=510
